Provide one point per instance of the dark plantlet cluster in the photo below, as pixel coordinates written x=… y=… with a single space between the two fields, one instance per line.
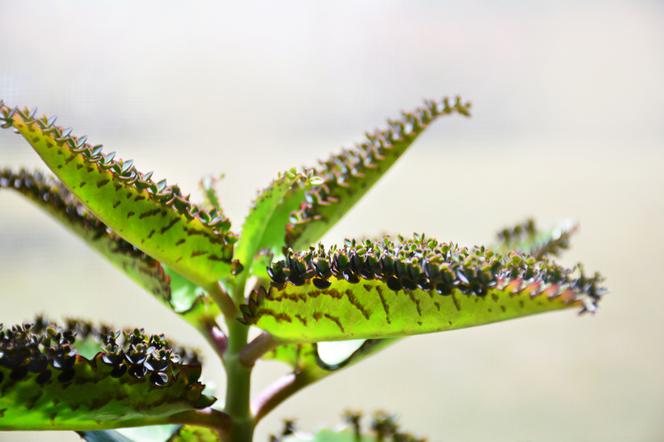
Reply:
x=344 y=170
x=50 y=351
x=25 y=349
x=426 y=264
x=143 y=356
x=125 y=172
x=383 y=427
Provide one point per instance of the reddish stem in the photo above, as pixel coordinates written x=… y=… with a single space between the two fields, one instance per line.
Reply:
x=278 y=392
x=216 y=338
x=209 y=417
x=257 y=348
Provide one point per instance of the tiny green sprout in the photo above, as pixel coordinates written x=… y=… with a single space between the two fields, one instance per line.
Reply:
x=272 y=274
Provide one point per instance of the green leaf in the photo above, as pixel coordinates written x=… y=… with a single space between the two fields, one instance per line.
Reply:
x=392 y=289
x=51 y=196
x=327 y=435
x=190 y=301
x=156 y=218
x=306 y=362
x=382 y=428
x=347 y=176
x=311 y=362
x=190 y=433
x=266 y=221
x=166 y=285
x=527 y=238
x=309 y=366
x=136 y=380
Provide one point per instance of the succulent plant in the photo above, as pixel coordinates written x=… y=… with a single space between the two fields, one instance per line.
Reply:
x=271 y=274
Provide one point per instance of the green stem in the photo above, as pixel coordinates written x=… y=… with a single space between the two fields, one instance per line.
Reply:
x=223 y=300
x=238 y=376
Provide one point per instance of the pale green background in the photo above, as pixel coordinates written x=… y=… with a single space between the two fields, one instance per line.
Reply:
x=567 y=124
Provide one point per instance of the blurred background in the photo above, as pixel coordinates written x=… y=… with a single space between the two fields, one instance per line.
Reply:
x=567 y=123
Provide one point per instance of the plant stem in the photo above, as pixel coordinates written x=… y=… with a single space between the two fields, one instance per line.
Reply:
x=209 y=418
x=257 y=348
x=224 y=301
x=278 y=392
x=238 y=376
x=215 y=337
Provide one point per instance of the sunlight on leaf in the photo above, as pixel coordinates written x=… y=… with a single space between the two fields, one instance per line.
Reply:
x=156 y=218
x=409 y=286
x=135 y=380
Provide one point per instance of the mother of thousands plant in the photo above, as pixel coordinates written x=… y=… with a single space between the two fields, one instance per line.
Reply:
x=270 y=275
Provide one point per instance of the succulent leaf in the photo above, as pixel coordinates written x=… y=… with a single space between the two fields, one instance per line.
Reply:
x=347 y=176
x=169 y=287
x=135 y=380
x=382 y=428
x=403 y=287
x=306 y=362
x=265 y=223
x=527 y=238
x=191 y=433
x=190 y=301
x=156 y=218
